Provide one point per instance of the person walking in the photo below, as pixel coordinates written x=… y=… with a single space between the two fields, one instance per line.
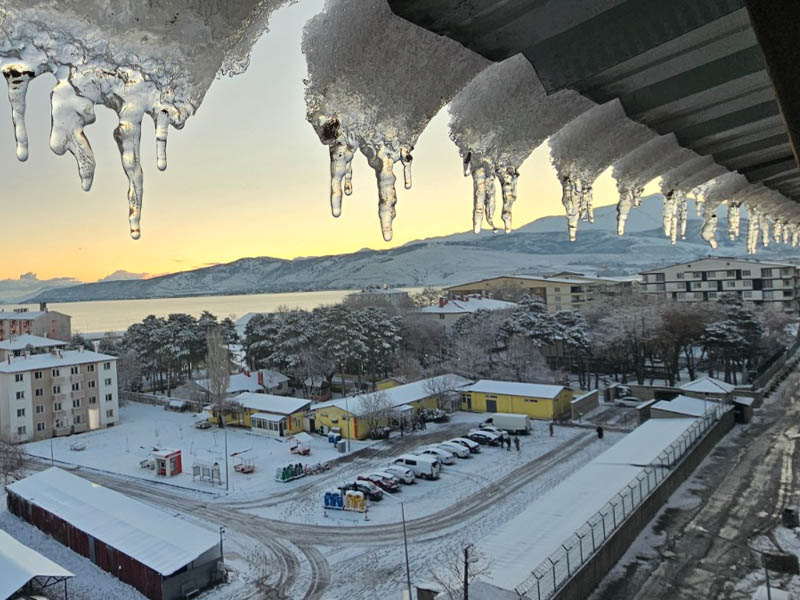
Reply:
x=551 y=429
x=516 y=443
x=599 y=431
x=508 y=443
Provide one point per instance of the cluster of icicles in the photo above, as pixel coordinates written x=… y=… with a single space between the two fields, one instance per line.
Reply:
x=374 y=83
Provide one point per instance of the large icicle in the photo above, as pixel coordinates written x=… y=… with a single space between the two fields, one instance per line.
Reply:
x=637 y=168
x=136 y=58
x=588 y=145
x=498 y=119
x=374 y=82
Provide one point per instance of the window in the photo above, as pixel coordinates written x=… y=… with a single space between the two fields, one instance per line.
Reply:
x=92 y=399
x=681 y=295
x=90 y=368
x=730 y=273
x=109 y=397
x=40 y=427
x=20 y=395
x=39 y=409
x=107 y=381
x=767 y=283
x=74 y=370
x=711 y=274
x=748 y=294
x=748 y=283
x=56 y=389
x=659 y=277
x=38 y=392
x=20 y=412
x=530 y=400
x=557 y=290
x=76 y=403
x=56 y=372
x=59 y=423
x=697 y=274
x=786 y=272
x=22 y=430
x=746 y=273
x=106 y=366
x=769 y=295
x=110 y=412
x=56 y=405
x=679 y=276
x=766 y=272
x=77 y=419
x=730 y=284
x=788 y=293
x=712 y=294
x=76 y=387
x=19 y=377
x=92 y=383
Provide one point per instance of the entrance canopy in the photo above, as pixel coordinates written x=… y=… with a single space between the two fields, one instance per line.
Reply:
x=19 y=565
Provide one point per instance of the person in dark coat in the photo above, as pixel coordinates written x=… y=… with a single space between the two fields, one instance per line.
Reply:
x=599 y=431
x=551 y=429
x=516 y=443
x=508 y=443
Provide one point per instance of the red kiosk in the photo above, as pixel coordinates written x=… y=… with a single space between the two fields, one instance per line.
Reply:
x=167 y=462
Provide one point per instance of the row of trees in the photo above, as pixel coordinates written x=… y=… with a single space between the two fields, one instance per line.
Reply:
x=313 y=346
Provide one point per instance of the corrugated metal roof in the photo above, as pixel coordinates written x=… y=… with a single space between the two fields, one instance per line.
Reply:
x=160 y=541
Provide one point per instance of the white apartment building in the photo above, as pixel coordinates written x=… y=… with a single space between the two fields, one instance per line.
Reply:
x=706 y=279
x=56 y=393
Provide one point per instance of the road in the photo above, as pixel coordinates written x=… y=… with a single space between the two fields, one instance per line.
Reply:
x=743 y=487
x=291 y=545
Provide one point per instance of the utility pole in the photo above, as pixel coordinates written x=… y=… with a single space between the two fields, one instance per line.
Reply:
x=225 y=427
x=405 y=545
x=348 y=416
x=467 y=548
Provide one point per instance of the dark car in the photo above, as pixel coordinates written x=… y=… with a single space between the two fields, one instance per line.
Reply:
x=483 y=437
x=202 y=425
x=369 y=489
x=385 y=481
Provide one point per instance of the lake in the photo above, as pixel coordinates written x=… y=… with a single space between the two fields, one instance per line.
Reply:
x=117 y=315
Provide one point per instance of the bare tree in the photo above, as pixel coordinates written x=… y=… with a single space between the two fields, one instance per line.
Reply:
x=443 y=389
x=375 y=409
x=219 y=375
x=459 y=558
x=523 y=361
x=10 y=462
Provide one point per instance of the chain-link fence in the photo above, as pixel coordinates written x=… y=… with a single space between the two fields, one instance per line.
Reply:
x=546 y=579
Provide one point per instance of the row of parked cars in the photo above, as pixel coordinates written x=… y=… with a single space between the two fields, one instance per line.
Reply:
x=426 y=462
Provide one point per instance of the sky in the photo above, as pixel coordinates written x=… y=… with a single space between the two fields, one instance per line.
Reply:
x=247 y=176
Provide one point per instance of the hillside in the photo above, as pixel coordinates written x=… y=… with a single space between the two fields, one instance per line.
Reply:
x=538 y=247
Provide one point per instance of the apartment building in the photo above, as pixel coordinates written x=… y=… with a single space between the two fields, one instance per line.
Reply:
x=55 y=393
x=563 y=291
x=755 y=282
x=43 y=322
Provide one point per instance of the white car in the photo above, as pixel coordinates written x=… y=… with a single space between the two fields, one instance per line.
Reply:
x=484 y=436
x=485 y=427
x=404 y=474
x=473 y=447
x=445 y=456
x=457 y=449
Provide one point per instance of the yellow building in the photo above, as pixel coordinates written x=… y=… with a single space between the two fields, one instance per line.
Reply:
x=355 y=416
x=265 y=413
x=535 y=400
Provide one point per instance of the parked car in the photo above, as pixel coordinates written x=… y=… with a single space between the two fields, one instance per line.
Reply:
x=202 y=425
x=435 y=415
x=483 y=437
x=629 y=401
x=423 y=466
x=385 y=481
x=369 y=489
x=404 y=474
x=457 y=449
x=474 y=447
x=446 y=457
x=496 y=430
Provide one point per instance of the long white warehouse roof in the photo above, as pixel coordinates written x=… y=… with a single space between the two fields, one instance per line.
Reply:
x=514 y=388
x=162 y=542
x=525 y=541
x=19 y=564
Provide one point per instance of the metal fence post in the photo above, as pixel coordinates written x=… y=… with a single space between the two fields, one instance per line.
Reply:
x=633 y=499
x=553 y=564
x=614 y=512
x=566 y=551
x=591 y=527
x=580 y=543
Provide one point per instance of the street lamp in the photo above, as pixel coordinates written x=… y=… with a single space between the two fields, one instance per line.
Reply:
x=467 y=549
x=405 y=545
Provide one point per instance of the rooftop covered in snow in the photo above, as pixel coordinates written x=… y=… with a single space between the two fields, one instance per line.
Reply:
x=267 y=403
x=401 y=394
x=20 y=342
x=158 y=540
x=708 y=385
x=53 y=359
x=684 y=405
x=514 y=388
x=20 y=564
x=469 y=304
x=523 y=542
x=249 y=382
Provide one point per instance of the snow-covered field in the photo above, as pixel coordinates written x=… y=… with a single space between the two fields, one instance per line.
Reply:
x=472 y=498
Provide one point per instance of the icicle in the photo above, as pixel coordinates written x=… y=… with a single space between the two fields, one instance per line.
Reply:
x=590 y=204
x=709 y=225
x=777 y=231
x=18 y=77
x=795 y=236
x=508 y=179
x=490 y=202
x=637 y=197
x=128 y=136
x=787 y=234
x=479 y=198
x=70 y=114
x=626 y=199
x=162 y=129
x=699 y=203
x=383 y=163
x=406 y=158
x=348 y=179
x=683 y=209
x=466 y=164
x=734 y=218
x=568 y=200
x=763 y=225
x=668 y=215
x=752 y=230
x=341 y=159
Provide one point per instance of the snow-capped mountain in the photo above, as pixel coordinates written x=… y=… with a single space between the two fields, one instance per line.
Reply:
x=536 y=248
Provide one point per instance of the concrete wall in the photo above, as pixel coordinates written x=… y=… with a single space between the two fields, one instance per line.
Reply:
x=583 y=404
x=581 y=584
